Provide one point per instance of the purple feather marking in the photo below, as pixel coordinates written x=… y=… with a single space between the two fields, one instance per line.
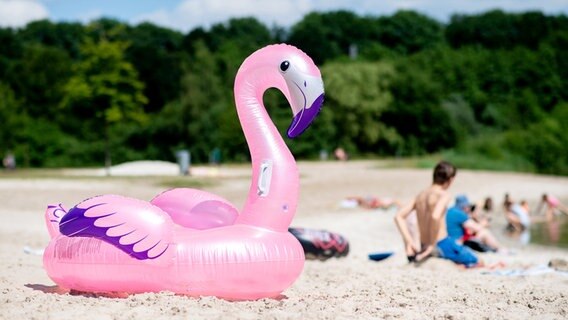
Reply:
x=76 y=224
x=58 y=208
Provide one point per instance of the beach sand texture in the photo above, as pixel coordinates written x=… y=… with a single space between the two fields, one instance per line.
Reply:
x=348 y=288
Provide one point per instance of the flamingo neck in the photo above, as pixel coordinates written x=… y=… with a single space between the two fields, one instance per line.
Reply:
x=273 y=194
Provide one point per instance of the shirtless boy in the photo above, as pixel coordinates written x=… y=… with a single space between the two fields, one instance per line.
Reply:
x=430 y=206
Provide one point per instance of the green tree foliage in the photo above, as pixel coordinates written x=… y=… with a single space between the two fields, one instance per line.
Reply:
x=13 y=118
x=156 y=54
x=202 y=100
x=488 y=90
x=417 y=113
x=34 y=141
x=43 y=89
x=497 y=29
x=108 y=29
x=233 y=42
x=103 y=91
x=359 y=93
x=249 y=33
x=10 y=50
x=324 y=36
x=63 y=35
x=203 y=117
x=544 y=143
x=408 y=32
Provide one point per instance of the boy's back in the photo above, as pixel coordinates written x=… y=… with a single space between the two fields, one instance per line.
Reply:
x=425 y=206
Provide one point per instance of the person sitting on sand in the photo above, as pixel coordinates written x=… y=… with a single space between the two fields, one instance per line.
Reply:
x=464 y=229
x=374 y=202
x=9 y=161
x=488 y=205
x=553 y=206
x=430 y=207
x=518 y=221
x=340 y=154
x=517 y=214
x=481 y=212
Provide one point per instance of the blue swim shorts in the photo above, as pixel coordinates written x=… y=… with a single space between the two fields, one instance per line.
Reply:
x=449 y=249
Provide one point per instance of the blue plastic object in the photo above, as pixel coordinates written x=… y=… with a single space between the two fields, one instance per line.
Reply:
x=378 y=256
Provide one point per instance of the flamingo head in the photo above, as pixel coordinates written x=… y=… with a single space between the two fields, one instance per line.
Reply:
x=293 y=72
x=304 y=84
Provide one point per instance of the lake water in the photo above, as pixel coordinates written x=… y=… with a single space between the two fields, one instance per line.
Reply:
x=553 y=233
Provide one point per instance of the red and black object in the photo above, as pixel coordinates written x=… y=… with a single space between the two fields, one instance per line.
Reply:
x=321 y=244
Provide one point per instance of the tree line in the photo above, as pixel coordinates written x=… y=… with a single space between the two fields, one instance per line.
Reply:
x=487 y=91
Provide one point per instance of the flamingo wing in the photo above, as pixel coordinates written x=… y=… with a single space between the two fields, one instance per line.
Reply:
x=136 y=227
x=196 y=209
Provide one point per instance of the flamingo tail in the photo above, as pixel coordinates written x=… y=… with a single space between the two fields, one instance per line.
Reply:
x=53 y=215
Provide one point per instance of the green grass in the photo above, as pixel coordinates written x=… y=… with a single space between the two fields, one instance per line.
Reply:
x=184 y=182
x=469 y=160
x=411 y=162
x=475 y=161
x=33 y=174
x=161 y=181
x=541 y=233
x=483 y=156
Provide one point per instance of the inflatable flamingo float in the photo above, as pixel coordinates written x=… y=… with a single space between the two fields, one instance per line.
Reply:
x=192 y=242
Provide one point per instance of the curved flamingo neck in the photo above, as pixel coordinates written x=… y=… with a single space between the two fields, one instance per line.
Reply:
x=273 y=205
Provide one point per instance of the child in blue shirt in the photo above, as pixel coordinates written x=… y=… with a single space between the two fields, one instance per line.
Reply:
x=465 y=230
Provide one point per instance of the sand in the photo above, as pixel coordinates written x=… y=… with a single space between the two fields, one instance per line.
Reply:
x=348 y=288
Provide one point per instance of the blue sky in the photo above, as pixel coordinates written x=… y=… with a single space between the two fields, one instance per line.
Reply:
x=184 y=15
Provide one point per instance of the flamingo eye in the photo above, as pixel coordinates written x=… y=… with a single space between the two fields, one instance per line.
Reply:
x=285 y=65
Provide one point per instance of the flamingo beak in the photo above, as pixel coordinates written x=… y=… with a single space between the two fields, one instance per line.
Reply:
x=309 y=96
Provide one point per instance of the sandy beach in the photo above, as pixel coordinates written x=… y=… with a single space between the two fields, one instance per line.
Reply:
x=348 y=288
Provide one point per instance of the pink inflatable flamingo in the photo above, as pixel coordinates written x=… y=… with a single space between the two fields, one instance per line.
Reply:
x=192 y=242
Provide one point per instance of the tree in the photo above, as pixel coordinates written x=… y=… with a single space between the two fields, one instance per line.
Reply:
x=544 y=142
x=104 y=89
x=203 y=101
x=10 y=50
x=497 y=29
x=409 y=32
x=417 y=112
x=359 y=93
x=249 y=33
x=12 y=118
x=62 y=35
x=325 y=36
x=40 y=83
x=156 y=54
x=233 y=41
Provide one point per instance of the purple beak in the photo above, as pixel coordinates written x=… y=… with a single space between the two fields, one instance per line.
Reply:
x=304 y=118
